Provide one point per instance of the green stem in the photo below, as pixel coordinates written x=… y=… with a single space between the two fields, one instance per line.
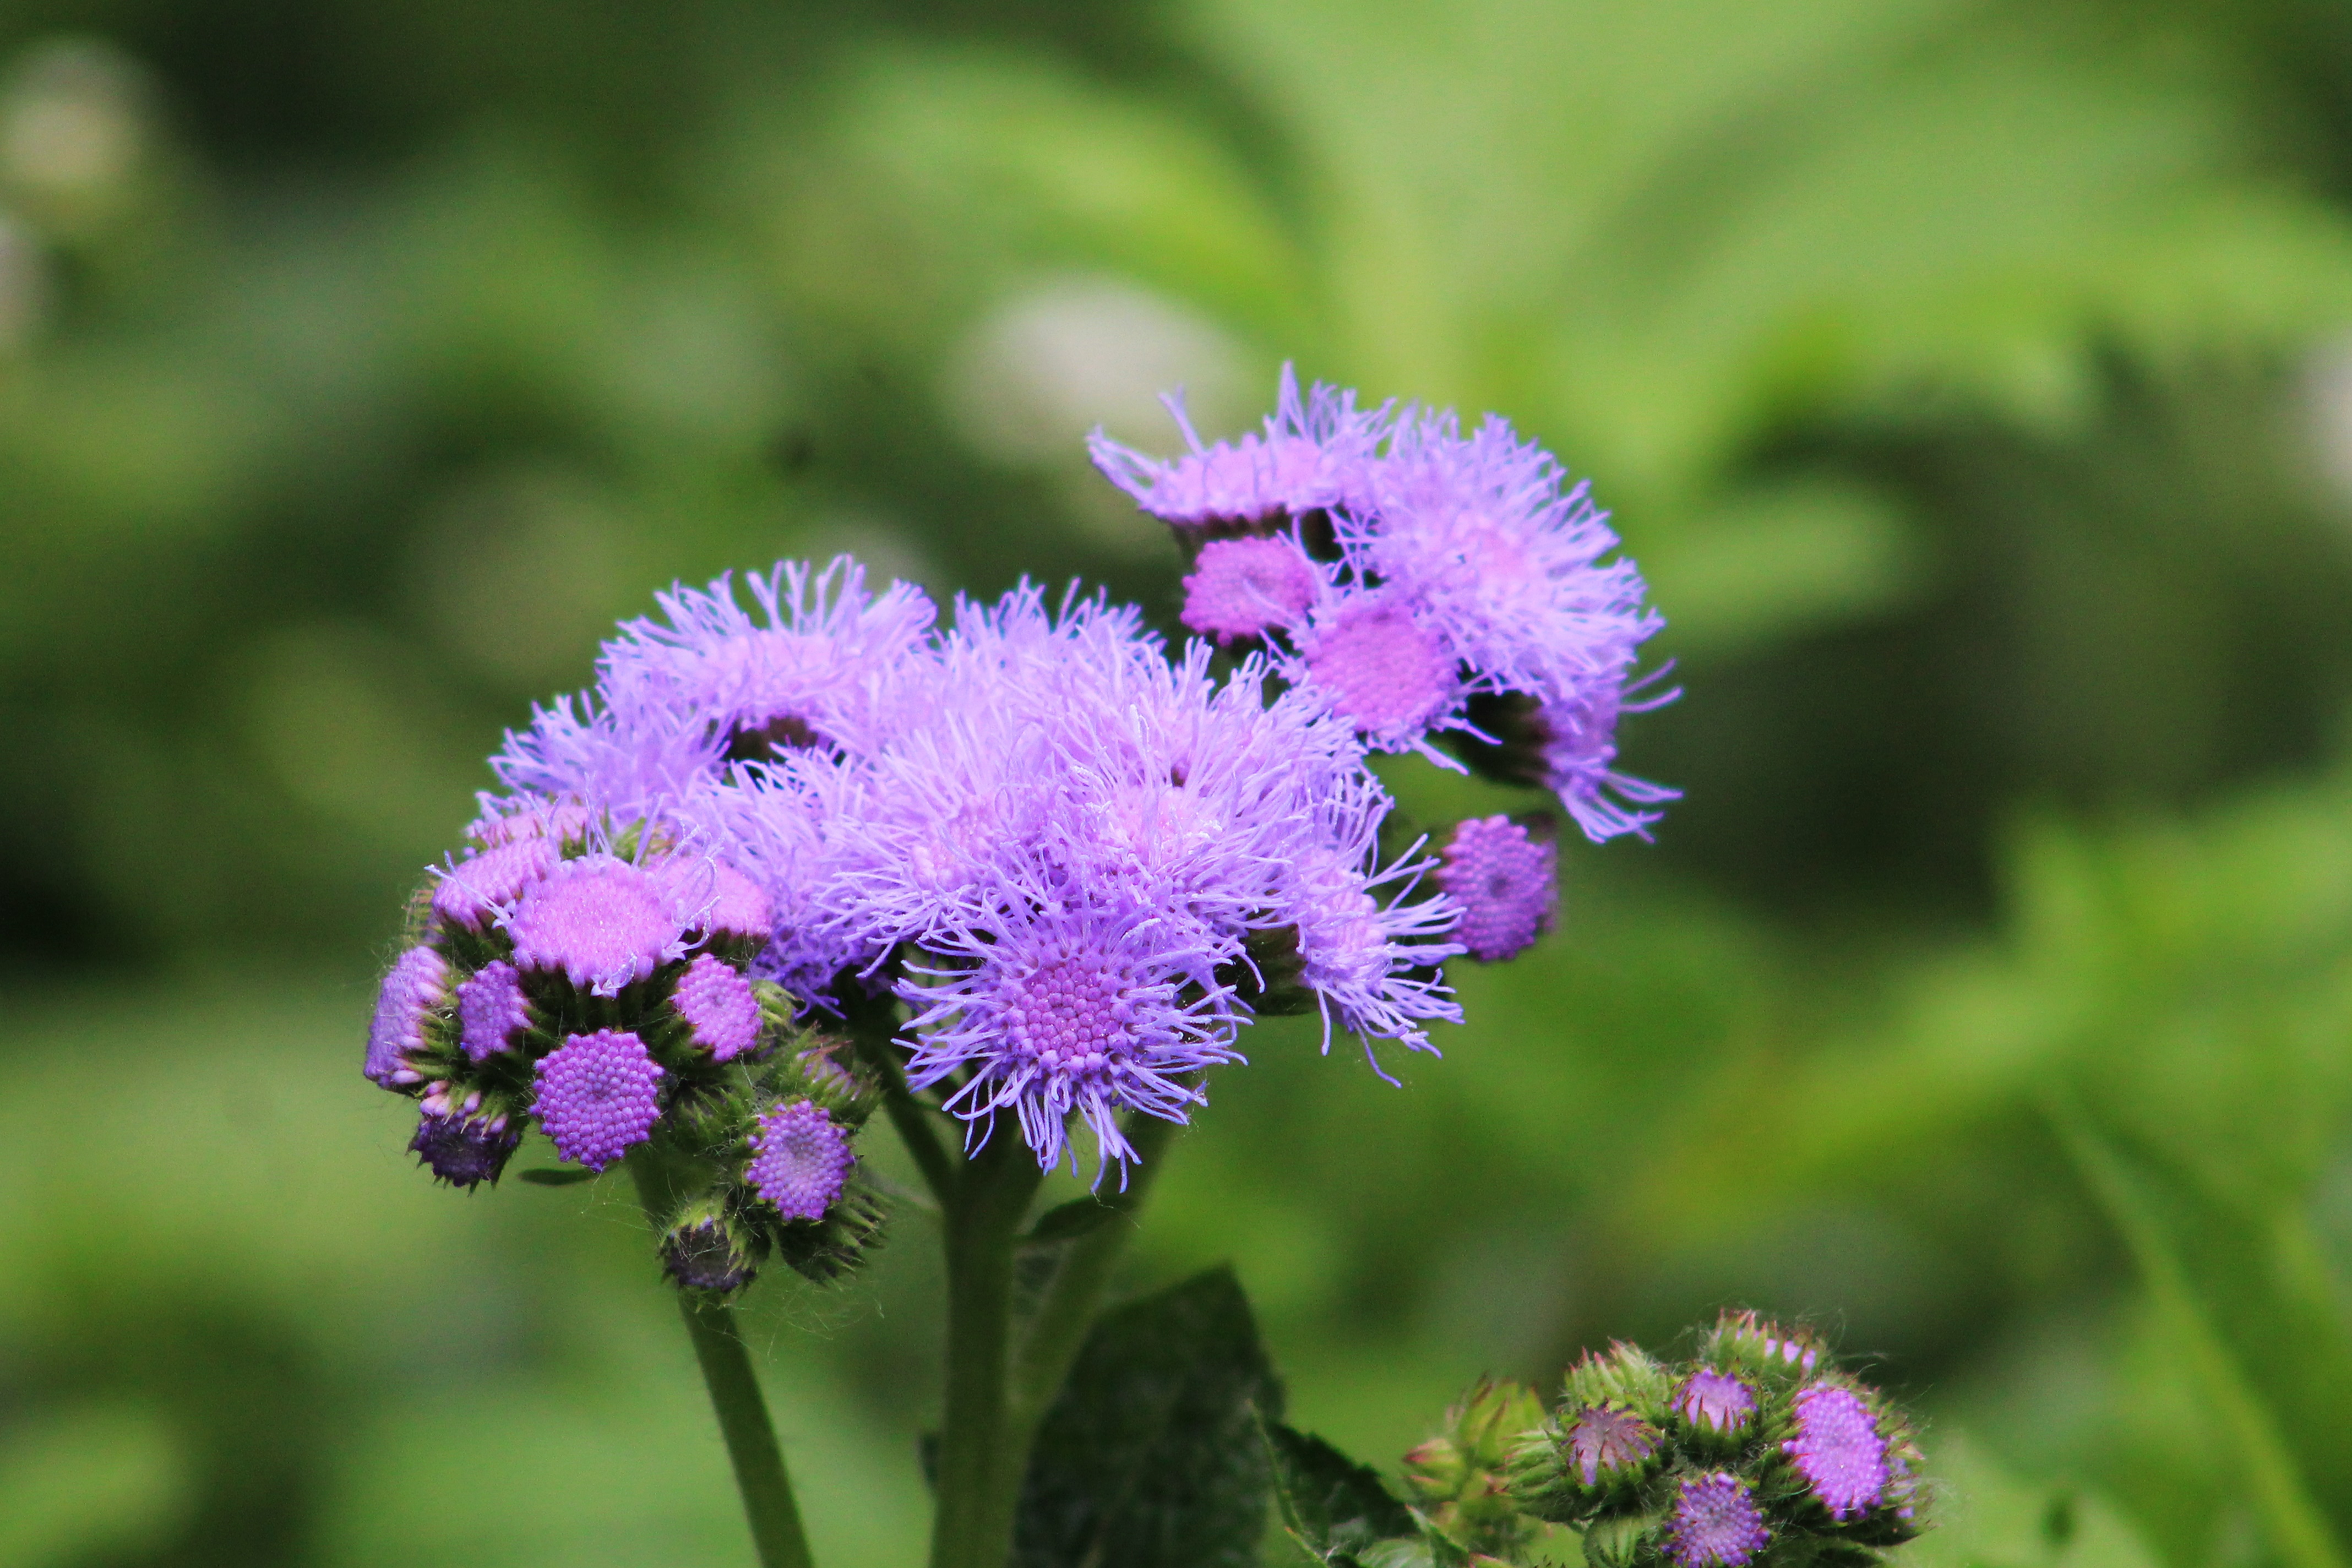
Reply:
x=873 y=1024
x=1066 y=1308
x=979 y=1477
x=736 y=1399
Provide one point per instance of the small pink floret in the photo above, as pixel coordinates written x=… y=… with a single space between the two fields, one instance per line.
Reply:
x=717 y=1004
x=601 y=922
x=1383 y=670
x=473 y=891
x=1242 y=587
x=598 y=1096
x=800 y=1160
x=418 y=983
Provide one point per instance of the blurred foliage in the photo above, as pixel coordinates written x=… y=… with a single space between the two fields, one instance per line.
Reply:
x=1967 y=379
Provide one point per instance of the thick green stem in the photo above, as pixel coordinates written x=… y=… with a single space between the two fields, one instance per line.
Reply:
x=979 y=1477
x=1066 y=1308
x=736 y=1399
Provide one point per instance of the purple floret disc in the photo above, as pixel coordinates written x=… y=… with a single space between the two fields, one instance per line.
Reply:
x=1838 y=1450
x=598 y=1095
x=801 y=1160
x=1716 y=1523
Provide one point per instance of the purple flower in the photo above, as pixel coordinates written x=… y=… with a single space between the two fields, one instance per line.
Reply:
x=416 y=987
x=506 y=819
x=1577 y=741
x=463 y=1147
x=800 y=1160
x=491 y=1010
x=1716 y=1524
x=717 y=1004
x=723 y=902
x=1242 y=587
x=1069 y=1010
x=1375 y=664
x=475 y=891
x=1604 y=1444
x=598 y=1095
x=1314 y=455
x=1714 y=1401
x=600 y=921
x=1501 y=875
x=1501 y=558
x=1838 y=1450
x=680 y=699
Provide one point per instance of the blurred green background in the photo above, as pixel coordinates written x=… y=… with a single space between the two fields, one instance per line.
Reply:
x=1971 y=381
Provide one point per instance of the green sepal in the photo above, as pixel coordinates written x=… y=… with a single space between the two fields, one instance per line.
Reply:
x=1626 y=1378
x=825 y=1249
x=1272 y=982
x=1617 y=1540
x=1460 y=1479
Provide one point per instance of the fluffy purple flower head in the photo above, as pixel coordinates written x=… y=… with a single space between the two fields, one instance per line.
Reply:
x=1373 y=965
x=1058 y=1011
x=475 y=891
x=1242 y=587
x=417 y=985
x=1501 y=558
x=463 y=1147
x=717 y=1004
x=491 y=1010
x=801 y=1159
x=679 y=699
x=1374 y=663
x=1577 y=736
x=1715 y=1523
x=1605 y=1444
x=1839 y=1451
x=1314 y=455
x=1501 y=875
x=598 y=1095
x=1714 y=1401
x=600 y=921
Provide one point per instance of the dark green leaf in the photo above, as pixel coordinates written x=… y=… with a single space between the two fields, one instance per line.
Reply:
x=556 y=1177
x=1069 y=1221
x=1150 y=1457
x=1333 y=1506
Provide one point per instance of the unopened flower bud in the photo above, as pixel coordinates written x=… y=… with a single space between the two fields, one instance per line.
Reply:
x=1501 y=874
x=1715 y=1523
x=463 y=1147
x=800 y=1160
x=719 y=1005
x=416 y=988
x=706 y=1251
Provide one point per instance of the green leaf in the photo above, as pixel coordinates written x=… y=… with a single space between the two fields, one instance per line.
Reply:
x=1150 y=1457
x=1333 y=1507
x=556 y=1177
x=1069 y=1221
x=2168 y=1227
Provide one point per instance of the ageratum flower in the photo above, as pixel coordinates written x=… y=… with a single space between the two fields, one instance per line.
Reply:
x=1716 y=1523
x=1070 y=784
x=416 y=988
x=1243 y=588
x=1714 y=1401
x=598 y=1096
x=1502 y=877
x=680 y=699
x=800 y=1160
x=1313 y=457
x=1838 y=1450
x=600 y=921
x=491 y=1010
x=717 y=1006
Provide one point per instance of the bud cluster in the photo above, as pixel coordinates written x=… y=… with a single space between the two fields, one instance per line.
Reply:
x=595 y=982
x=1755 y=1450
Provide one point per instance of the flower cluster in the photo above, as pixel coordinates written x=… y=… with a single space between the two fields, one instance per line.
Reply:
x=594 y=984
x=1756 y=1450
x=1420 y=582
x=1078 y=860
